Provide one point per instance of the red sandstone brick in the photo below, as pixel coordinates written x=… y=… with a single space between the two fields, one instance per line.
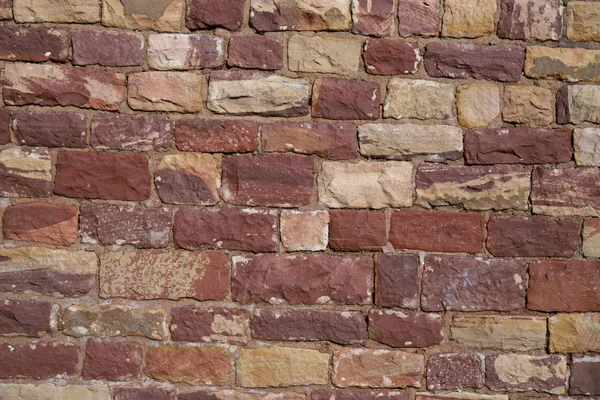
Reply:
x=357 y=230
x=50 y=129
x=391 y=57
x=112 y=361
x=38 y=360
x=37 y=44
x=217 y=136
x=25 y=318
x=203 y=14
x=258 y=52
x=405 y=328
x=335 y=98
x=397 y=280
x=108 y=48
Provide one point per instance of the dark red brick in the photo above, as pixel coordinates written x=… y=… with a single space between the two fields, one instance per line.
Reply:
x=37 y=44
x=258 y=52
x=518 y=146
x=228 y=14
x=437 y=231
x=25 y=318
x=226 y=228
x=216 y=136
x=108 y=48
x=418 y=18
x=38 y=360
x=397 y=280
x=4 y=126
x=534 y=236
x=131 y=132
x=102 y=176
x=357 y=230
x=391 y=57
x=373 y=17
x=302 y=279
x=122 y=393
x=192 y=324
x=358 y=394
x=50 y=129
x=585 y=376
x=268 y=180
x=563 y=113
x=302 y=325
x=335 y=98
x=112 y=361
x=405 y=328
x=564 y=286
x=455 y=371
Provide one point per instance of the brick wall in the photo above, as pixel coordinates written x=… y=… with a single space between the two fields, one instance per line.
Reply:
x=299 y=199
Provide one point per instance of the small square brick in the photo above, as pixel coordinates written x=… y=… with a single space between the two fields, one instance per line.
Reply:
x=585 y=376
x=258 y=52
x=418 y=18
x=455 y=371
x=391 y=57
x=304 y=230
x=397 y=280
x=112 y=361
x=357 y=230
x=335 y=98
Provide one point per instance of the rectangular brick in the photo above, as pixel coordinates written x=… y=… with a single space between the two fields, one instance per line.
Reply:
x=183 y=52
x=108 y=48
x=418 y=18
x=372 y=18
x=112 y=361
x=204 y=14
x=256 y=52
x=148 y=393
x=192 y=324
x=358 y=394
x=4 y=126
x=11 y=391
x=298 y=15
x=163 y=16
x=25 y=172
x=340 y=99
x=252 y=394
x=582 y=18
x=357 y=230
x=50 y=129
x=42 y=360
x=27 y=318
x=131 y=132
x=20 y=43
x=217 y=136
x=397 y=280
x=419 y=99
x=165 y=91
x=585 y=376
x=521 y=372
x=6 y=9
x=448 y=371
x=59 y=11
x=574 y=333
x=324 y=54
x=578 y=103
x=569 y=64
x=405 y=328
x=304 y=230
x=189 y=178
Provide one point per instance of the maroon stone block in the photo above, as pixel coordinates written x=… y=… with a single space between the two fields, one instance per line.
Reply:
x=203 y=14
x=418 y=18
x=36 y=44
x=25 y=318
x=391 y=57
x=122 y=393
x=256 y=52
x=455 y=371
x=531 y=20
x=45 y=360
x=357 y=230
x=50 y=129
x=217 y=136
x=373 y=17
x=358 y=394
x=397 y=280
x=405 y=328
x=335 y=98
x=108 y=48
x=112 y=361
x=131 y=132
x=585 y=376
x=4 y=126
x=191 y=324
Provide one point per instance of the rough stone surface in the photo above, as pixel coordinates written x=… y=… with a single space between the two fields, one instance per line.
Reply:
x=465 y=283
x=418 y=99
x=391 y=57
x=574 y=333
x=44 y=360
x=332 y=326
x=226 y=228
x=464 y=19
x=6 y=9
x=373 y=18
x=453 y=60
x=251 y=394
x=324 y=54
x=299 y=15
x=351 y=230
x=366 y=185
x=476 y=188
x=530 y=105
x=335 y=98
x=62 y=85
x=405 y=329
x=109 y=224
x=586 y=140
x=109 y=321
x=437 y=231
x=531 y=19
x=253 y=94
x=358 y=394
x=150 y=393
x=116 y=49
x=461 y=395
x=406 y=141
x=111 y=361
x=281 y=367
x=102 y=176
x=217 y=136
x=304 y=230
x=5 y=116
x=165 y=275
x=192 y=324
x=27 y=318
x=131 y=132
x=48 y=271
x=397 y=280
x=497 y=332
x=564 y=286
x=191 y=178
x=259 y=52
x=11 y=391
x=34 y=44
x=582 y=104
x=165 y=91
x=302 y=279
x=374 y=368
x=478 y=104
x=159 y=15
x=60 y=11
x=203 y=14
x=521 y=372
x=585 y=376
x=50 y=129
x=41 y=223
x=569 y=64
x=177 y=51
x=518 y=146
x=454 y=371
x=591 y=238
x=418 y=18
x=582 y=21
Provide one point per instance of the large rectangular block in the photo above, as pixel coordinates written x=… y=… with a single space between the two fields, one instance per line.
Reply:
x=44 y=360
x=159 y=15
x=569 y=64
x=44 y=391
x=521 y=372
x=300 y=15
x=574 y=332
x=19 y=43
x=50 y=129
x=165 y=91
x=58 y=11
x=324 y=54
x=108 y=48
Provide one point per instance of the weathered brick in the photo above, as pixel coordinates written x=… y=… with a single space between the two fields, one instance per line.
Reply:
x=375 y=368
x=149 y=393
x=521 y=372
x=107 y=48
x=281 y=367
x=391 y=57
x=39 y=360
x=26 y=318
x=217 y=136
x=302 y=279
x=466 y=283
x=304 y=230
x=476 y=188
x=62 y=85
x=268 y=180
x=25 y=172
x=463 y=19
x=460 y=395
x=252 y=394
x=437 y=231
x=247 y=93
x=418 y=18
x=585 y=376
x=518 y=146
x=112 y=361
x=131 y=132
x=418 y=99
x=351 y=230
x=574 y=333
x=48 y=271
x=193 y=324
x=591 y=237
x=358 y=394
x=159 y=15
x=300 y=325
x=226 y=228
x=102 y=176
x=107 y=321
x=20 y=43
x=165 y=91
x=324 y=54
x=405 y=329
x=41 y=223
x=366 y=185
x=298 y=15
x=109 y=224
x=211 y=366
x=397 y=280
x=478 y=104
x=585 y=141
x=4 y=125
x=177 y=51
x=564 y=286
x=531 y=19
x=335 y=98
x=580 y=104
x=59 y=11
x=582 y=21
x=203 y=14
x=165 y=275
x=12 y=391
x=454 y=371
x=525 y=104
x=569 y=64
x=258 y=52
x=373 y=18
x=6 y=9
x=50 y=129
x=571 y=191
x=190 y=178
x=453 y=60
x=498 y=332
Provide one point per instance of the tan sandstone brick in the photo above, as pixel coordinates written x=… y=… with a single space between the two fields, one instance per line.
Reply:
x=60 y=11
x=419 y=99
x=583 y=21
x=159 y=15
x=574 y=332
x=569 y=64
x=530 y=105
x=304 y=230
x=165 y=91
x=47 y=391
x=478 y=104
x=324 y=54
x=463 y=18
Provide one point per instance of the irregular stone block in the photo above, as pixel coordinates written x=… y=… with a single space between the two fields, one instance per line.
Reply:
x=478 y=104
x=304 y=230
x=418 y=18
x=165 y=91
x=324 y=54
x=397 y=280
x=418 y=99
x=582 y=21
x=131 y=132
x=299 y=15
x=160 y=15
x=50 y=129
x=25 y=172
x=530 y=105
x=586 y=140
x=405 y=329
x=108 y=48
x=581 y=104
x=521 y=372
x=41 y=223
x=591 y=238
x=183 y=52
x=6 y=9
x=27 y=318
x=568 y=64
x=20 y=43
x=5 y=116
